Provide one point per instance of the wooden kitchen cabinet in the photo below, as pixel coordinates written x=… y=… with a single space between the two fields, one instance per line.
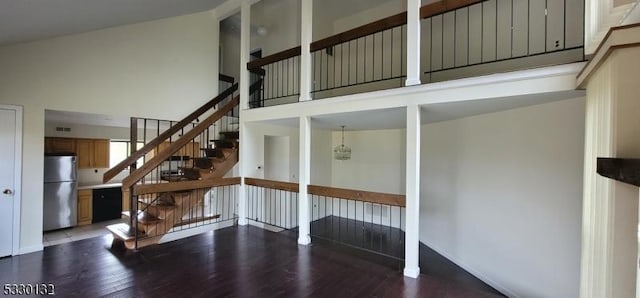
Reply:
x=92 y=153
x=59 y=145
x=85 y=207
x=101 y=153
x=84 y=153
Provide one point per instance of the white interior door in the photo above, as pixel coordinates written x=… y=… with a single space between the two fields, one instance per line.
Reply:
x=7 y=183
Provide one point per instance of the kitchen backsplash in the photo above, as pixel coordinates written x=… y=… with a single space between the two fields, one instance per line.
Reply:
x=94 y=176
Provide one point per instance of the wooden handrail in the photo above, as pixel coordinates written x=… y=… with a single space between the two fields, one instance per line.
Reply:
x=358 y=195
x=292 y=52
x=286 y=186
x=226 y=78
x=393 y=21
x=142 y=189
x=364 y=30
x=147 y=167
x=166 y=134
x=429 y=10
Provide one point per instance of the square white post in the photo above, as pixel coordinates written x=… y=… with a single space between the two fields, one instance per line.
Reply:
x=411 y=250
x=306 y=35
x=245 y=31
x=304 y=227
x=413 y=42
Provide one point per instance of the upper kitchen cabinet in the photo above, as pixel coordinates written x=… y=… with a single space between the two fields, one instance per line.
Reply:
x=92 y=153
x=59 y=145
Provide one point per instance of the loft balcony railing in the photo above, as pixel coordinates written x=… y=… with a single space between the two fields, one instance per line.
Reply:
x=499 y=36
x=458 y=39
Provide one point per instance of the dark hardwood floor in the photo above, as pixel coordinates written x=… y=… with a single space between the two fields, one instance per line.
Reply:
x=232 y=262
x=376 y=238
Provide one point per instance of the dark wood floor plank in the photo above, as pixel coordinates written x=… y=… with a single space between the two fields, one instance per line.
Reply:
x=236 y=262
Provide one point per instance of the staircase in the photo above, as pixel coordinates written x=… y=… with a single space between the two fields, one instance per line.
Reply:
x=161 y=199
x=158 y=214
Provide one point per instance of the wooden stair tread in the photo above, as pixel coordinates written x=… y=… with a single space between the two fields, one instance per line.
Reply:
x=203 y=163
x=231 y=144
x=162 y=205
x=144 y=218
x=230 y=134
x=127 y=214
x=217 y=152
x=122 y=231
x=217 y=159
x=189 y=173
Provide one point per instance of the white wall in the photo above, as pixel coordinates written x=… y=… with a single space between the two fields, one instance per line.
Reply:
x=501 y=195
x=321 y=156
x=256 y=142
x=368 y=15
x=331 y=17
x=86 y=131
x=230 y=54
x=277 y=158
x=281 y=19
x=160 y=69
x=377 y=161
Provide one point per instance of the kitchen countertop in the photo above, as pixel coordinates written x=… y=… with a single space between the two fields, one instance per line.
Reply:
x=97 y=186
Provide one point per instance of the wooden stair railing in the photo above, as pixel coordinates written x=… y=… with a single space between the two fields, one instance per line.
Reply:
x=173 y=201
x=157 y=160
x=142 y=189
x=111 y=173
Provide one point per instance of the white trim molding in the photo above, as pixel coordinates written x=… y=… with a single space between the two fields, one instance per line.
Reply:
x=599 y=17
x=610 y=209
x=616 y=38
x=17 y=191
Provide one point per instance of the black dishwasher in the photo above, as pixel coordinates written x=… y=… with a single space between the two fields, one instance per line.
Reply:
x=107 y=204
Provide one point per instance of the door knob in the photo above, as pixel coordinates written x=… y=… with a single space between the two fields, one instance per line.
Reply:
x=7 y=192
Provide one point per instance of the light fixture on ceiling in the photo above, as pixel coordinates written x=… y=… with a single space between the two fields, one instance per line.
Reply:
x=262 y=31
x=342 y=152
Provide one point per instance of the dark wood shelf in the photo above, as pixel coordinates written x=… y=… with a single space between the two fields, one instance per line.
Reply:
x=625 y=170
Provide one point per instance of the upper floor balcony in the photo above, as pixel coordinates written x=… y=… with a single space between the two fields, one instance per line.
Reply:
x=457 y=39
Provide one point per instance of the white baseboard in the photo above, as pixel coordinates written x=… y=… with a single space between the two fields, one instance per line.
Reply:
x=471 y=270
x=173 y=236
x=30 y=249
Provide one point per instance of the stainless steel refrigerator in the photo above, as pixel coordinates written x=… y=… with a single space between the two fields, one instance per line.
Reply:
x=60 y=192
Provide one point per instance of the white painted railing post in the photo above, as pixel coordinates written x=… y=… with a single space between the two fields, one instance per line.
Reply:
x=245 y=38
x=413 y=42
x=306 y=35
x=304 y=228
x=412 y=242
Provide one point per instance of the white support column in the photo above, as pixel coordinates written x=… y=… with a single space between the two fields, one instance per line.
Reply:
x=242 y=169
x=304 y=227
x=413 y=42
x=412 y=237
x=610 y=208
x=245 y=45
x=245 y=49
x=306 y=35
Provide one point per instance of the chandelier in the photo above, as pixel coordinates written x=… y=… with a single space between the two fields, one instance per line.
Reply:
x=342 y=152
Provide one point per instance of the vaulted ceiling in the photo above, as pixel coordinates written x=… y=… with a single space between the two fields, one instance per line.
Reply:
x=29 y=20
